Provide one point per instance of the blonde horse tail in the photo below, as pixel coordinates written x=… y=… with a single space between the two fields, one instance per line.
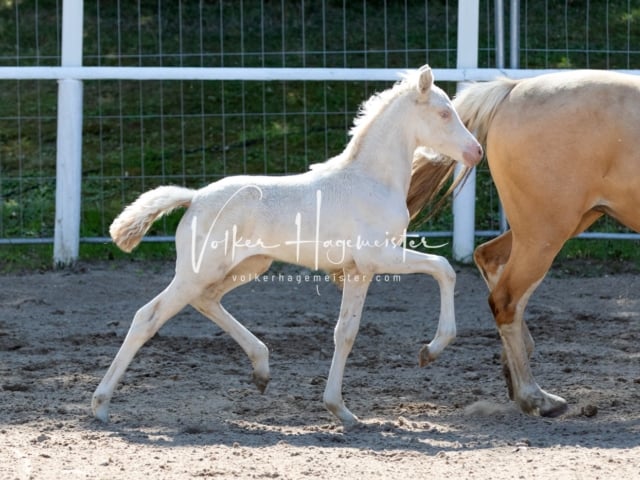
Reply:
x=130 y=226
x=476 y=105
x=428 y=178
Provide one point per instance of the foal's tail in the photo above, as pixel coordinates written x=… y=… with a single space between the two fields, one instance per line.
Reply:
x=130 y=226
x=476 y=105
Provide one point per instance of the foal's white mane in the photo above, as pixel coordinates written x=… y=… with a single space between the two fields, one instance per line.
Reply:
x=369 y=110
x=374 y=106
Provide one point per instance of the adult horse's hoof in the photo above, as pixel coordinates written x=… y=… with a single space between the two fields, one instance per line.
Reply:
x=555 y=410
x=545 y=405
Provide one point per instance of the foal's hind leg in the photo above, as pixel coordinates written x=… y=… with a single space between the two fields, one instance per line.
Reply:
x=209 y=305
x=146 y=323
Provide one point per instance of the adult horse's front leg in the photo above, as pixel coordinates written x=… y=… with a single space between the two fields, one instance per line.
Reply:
x=354 y=293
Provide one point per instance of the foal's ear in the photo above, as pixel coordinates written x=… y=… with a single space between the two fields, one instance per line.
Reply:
x=426 y=79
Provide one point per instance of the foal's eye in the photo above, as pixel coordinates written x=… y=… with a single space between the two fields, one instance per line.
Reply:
x=444 y=114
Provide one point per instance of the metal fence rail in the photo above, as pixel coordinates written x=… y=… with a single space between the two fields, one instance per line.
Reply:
x=102 y=100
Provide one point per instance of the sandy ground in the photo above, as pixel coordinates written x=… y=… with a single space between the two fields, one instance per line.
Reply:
x=186 y=407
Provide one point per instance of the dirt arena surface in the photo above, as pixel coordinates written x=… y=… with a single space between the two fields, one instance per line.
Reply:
x=186 y=407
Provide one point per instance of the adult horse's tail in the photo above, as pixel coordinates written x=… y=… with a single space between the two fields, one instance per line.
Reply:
x=130 y=226
x=476 y=105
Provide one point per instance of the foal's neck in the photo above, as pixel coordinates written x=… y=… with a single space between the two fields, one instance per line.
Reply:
x=385 y=152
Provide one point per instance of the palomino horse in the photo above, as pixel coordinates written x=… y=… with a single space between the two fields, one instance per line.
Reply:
x=563 y=151
x=347 y=215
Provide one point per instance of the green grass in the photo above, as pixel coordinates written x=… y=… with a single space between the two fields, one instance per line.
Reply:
x=138 y=135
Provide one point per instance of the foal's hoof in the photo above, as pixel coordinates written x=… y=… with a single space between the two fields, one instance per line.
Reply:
x=353 y=424
x=425 y=357
x=100 y=408
x=348 y=420
x=260 y=381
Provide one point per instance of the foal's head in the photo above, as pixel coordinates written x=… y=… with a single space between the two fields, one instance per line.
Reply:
x=436 y=123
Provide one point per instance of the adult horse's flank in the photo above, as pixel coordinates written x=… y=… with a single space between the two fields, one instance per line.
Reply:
x=563 y=151
x=348 y=214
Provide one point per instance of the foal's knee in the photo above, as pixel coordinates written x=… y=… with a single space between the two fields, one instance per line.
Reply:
x=447 y=270
x=443 y=272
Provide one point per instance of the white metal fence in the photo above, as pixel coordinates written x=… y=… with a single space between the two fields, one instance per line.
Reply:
x=152 y=92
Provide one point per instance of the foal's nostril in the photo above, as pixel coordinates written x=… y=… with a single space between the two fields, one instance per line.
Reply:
x=473 y=155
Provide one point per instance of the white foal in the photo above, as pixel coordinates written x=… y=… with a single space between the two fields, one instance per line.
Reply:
x=346 y=215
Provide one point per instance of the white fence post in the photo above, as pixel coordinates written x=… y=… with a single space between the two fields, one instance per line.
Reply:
x=464 y=202
x=66 y=241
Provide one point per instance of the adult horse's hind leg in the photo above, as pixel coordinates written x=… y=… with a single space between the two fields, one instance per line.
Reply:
x=524 y=271
x=146 y=323
x=209 y=305
x=490 y=258
x=512 y=271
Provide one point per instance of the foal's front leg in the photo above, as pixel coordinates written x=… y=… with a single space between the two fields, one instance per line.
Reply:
x=353 y=296
x=396 y=260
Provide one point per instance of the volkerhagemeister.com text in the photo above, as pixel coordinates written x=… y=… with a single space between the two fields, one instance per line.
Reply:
x=300 y=278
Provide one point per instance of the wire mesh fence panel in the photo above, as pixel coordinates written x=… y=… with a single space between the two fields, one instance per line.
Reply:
x=29 y=36
x=140 y=134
